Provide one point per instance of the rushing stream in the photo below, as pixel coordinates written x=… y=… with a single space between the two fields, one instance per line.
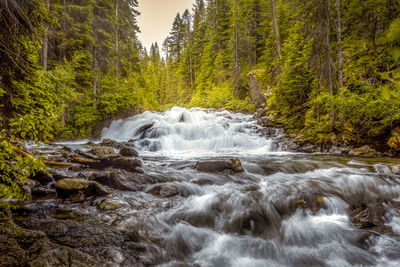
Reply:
x=285 y=209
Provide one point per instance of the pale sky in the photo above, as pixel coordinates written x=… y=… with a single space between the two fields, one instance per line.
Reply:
x=156 y=18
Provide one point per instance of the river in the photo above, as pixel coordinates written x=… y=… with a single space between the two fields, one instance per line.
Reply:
x=285 y=209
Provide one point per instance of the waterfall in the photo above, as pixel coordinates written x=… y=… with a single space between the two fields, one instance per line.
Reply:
x=181 y=131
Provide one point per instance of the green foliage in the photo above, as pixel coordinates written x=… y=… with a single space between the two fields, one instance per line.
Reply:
x=15 y=169
x=95 y=66
x=41 y=103
x=221 y=96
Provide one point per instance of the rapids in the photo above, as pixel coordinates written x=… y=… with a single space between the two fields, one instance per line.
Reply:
x=286 y=209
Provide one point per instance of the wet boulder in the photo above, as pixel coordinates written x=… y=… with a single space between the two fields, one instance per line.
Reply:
x=232 y=164
x=128 y=152
x=128 y=164
x=59 y=174
x=42 y=191
x=111 y=143
x=115 y=180
x=92 y=237
x=111 y=161
x=102 y=150
x=164 y=190
x=369 y=215
x=43 y=178
x=73 y=188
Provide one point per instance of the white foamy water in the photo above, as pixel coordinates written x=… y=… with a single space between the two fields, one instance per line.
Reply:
x=191 y=132
x=285 y=209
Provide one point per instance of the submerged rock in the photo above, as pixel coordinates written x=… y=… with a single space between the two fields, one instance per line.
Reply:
x=164 y=190
x=109 y=205
x=72 y=187
x=128 y=152
x=232 y=164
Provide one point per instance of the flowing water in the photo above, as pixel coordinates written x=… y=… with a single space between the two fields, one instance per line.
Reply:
x=285 y=209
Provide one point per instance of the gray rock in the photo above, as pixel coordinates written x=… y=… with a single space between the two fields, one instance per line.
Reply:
x=232 y=164
x=115 y=180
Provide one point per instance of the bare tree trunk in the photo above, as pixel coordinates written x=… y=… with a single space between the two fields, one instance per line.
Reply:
x=95 y=80
x=237 y=67
x=216 y=17
x=64 y=30
x=116 y=40
x=190 y=64
x=276 y=30
x=328 y=64
x=339 y=37
x=46 y=41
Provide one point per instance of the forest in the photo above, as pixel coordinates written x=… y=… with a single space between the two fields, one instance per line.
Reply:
x=327 y=67
x=258 y=133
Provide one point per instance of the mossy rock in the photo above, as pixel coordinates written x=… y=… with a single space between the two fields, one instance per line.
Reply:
x=102 y=150
x=109 y=205
x=394 y=141
x=365 y=151
x=69 y=187
x=128 y=152
x=5 y=212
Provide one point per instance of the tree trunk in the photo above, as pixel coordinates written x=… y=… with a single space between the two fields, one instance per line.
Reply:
x=237 y=67
x=95 y=78
x=339 y=37
x=216 y=17
x=276 y=30
x=190 y=64
x=328 y=64
x=116 y=40
x=46 y=41
x=64 y=30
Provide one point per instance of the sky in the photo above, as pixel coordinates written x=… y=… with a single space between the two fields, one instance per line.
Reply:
x=157 y=16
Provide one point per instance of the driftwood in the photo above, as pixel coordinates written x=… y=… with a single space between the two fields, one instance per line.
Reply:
x=58 y=164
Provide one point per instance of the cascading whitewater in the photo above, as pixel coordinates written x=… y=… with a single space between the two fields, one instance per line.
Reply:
x=285 y=209
x=182 y=130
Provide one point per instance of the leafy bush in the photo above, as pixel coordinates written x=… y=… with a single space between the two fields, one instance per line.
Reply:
x=15 y=169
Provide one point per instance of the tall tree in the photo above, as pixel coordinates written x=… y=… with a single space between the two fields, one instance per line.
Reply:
x=276 y=30
x=339 y=41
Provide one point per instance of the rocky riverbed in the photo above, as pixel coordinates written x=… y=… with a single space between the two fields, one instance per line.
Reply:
x=202 y=188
